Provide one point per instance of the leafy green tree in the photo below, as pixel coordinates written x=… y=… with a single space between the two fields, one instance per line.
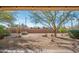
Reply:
x=52 y=19
x=6 y=17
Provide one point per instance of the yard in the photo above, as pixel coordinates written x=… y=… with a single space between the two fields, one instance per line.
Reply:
x=37 y=31
x=39 y=42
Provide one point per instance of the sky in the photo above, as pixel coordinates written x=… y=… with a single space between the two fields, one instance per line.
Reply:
x=22 y=15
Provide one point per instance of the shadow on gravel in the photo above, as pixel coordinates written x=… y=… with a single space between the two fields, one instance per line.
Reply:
x=69 y=39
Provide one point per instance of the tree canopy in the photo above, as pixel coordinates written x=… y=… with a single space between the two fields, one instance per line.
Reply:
x=6 y=16
x=52 y=19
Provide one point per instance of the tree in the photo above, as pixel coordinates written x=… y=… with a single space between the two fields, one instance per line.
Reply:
x=6 y=17
x=52 y=19
x=76 y=15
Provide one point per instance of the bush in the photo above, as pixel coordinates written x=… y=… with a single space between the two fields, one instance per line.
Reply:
x=74 y=33
x=24 y=33
x=62 y=30
x=3 y=32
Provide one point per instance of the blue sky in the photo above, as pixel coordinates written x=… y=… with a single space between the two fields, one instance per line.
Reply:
x=21 y=15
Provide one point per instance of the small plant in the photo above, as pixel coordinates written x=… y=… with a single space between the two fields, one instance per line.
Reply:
x=62 y=30
x=24 y=33
x=74 y=33
x=1 y=31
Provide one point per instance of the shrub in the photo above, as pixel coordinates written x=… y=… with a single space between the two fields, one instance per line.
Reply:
x=24 y=33
x=62 y=30
x=74 y=33
x=3 y=32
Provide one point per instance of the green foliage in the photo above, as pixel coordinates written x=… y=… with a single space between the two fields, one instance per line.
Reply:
x=51 y=19
x=74 y=33
x=62 y=30
x=6 y=17
x=3 y=32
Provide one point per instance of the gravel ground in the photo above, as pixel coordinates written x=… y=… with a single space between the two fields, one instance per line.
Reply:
x=40 y=43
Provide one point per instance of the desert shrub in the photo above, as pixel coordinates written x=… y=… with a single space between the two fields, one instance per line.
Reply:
x=24 y=33
x=74 y=33
x=62 y=30
x=3 y=32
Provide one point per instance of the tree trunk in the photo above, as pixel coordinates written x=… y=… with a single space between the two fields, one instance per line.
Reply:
x=55 y=33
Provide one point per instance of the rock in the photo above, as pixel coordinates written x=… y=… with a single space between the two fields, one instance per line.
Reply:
x=24 y=33
x=44 y=35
